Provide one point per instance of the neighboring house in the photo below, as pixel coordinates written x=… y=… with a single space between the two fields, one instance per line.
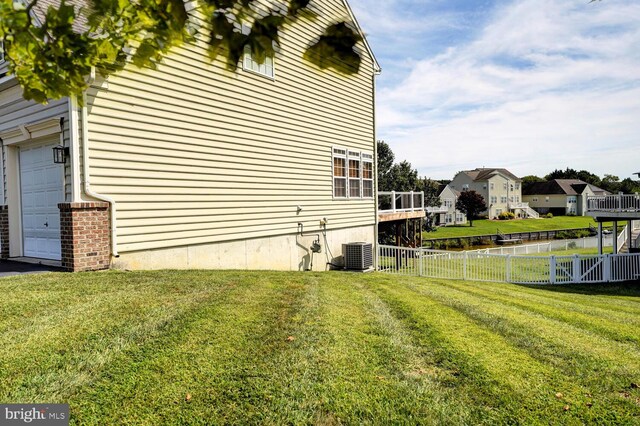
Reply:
x=193 y=166
x=560 y=196
x=446 y=213
x=500 y=189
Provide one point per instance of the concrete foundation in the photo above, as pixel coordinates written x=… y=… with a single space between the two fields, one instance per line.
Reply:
x=285 y=252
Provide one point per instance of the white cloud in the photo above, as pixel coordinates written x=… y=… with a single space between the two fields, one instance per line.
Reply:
x=545 y=84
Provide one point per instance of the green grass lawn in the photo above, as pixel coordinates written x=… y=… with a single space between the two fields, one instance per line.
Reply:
x=489 y=227
x=157 y=348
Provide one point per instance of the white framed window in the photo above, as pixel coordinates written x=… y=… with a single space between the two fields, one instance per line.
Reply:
x=267 y=68
x=535 y=199
x=465 y=187
x=504 y=185
x=352 y=174
x=367 y=175
x=503 y=199
x=494 y=199
x=339 y=173
x=492 y=186
x=448 y=202
x=355 y=175
x=517 y=185
x=546 y=199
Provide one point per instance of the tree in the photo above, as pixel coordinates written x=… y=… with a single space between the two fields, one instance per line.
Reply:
x=529 y=180
x=471 y=204
x=630 y=186
x=610 y=183
x=430 y=189
x=50 y=59
x=403 y=177
x=583 y=175
x=385 y=162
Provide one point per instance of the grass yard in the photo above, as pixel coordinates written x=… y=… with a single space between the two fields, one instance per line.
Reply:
x=489 y=227
x=199 y=347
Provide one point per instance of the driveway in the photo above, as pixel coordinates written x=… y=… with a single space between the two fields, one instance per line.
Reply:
x=9 y=268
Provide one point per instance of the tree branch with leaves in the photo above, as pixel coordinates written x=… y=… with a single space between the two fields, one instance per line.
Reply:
x=50 y=57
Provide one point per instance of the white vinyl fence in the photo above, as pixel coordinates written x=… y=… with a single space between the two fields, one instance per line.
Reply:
x=557 y=245
x=475 y=266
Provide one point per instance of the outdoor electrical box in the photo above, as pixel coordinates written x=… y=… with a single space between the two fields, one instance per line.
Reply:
x=358 y=256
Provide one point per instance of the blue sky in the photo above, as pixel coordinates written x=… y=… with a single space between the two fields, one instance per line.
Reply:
x=530 y=85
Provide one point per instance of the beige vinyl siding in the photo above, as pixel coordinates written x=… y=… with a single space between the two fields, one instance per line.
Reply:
x=14 y=110
x=195 y=154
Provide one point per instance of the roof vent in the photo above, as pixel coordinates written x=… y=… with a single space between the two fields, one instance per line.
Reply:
x=358 y=256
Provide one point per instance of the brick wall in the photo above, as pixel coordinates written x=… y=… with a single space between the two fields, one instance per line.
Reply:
x=85 y=236
x=4 y=232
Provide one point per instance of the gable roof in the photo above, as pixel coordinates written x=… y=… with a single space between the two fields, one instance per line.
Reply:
x=484 y=173
x=376 y=65
x=561 y=187
x=442 y=187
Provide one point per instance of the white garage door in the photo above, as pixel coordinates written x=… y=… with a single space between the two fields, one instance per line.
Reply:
x=41 y=189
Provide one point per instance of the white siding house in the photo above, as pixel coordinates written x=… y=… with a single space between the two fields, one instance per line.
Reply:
x=206 y=168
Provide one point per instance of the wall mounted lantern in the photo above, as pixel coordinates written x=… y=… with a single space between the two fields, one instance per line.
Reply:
x=60 y=154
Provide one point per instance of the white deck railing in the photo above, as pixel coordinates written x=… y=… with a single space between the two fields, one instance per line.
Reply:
x=614 y=203
x=473 y=266
x=527 y=209
x=437 y=209
x=395 y=202
x=555 y=245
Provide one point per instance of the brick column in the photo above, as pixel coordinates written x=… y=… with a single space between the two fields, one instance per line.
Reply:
x=4 y=232
x=85 y=236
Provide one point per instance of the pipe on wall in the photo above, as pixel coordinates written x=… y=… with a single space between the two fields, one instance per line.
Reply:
x=85 y=168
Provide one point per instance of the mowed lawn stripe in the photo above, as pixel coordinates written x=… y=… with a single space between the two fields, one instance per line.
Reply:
x=604 y=323
x=590 y=360
x=625 y=309
x=49 y=352
x=513 y=386
x=367 y=375
x=204 y=366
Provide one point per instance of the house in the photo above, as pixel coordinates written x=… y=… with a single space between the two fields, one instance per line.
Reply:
x=194 y=166
x=560 y=196
x=500 y=189
x=446 y=213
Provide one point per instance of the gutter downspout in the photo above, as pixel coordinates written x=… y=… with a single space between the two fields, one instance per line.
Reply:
x=376 y=200
x=85 y=167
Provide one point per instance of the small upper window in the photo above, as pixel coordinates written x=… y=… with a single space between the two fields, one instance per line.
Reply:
x=250 y=64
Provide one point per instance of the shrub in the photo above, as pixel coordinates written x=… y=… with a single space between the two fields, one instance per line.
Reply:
x=506 y=216
x=549 y=215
